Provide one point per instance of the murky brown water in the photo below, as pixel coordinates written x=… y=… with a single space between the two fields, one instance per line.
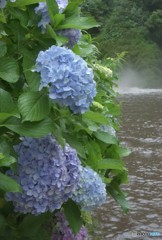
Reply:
x=142 y=133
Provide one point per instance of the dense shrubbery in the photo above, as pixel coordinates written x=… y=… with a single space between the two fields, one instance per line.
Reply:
x=59 y=153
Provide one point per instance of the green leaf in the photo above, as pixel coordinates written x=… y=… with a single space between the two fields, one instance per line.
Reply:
x=119 y=196
x=2 y=17
x=4 y=116
x=105 y=137
x=72 y=7
x=6 y=103
x=9 y=69
x=95 y=117
x=59 y=39
x=73 y=215
x=2 y=223
x=33 y=106
x=22 y=16
x=74 y=143
x=111 y=164
x=79 y=22
x=7 y=106
x=31 y=225
x=124 y=152
x=6 y=160
x=21 y=3
x=32 y=78
x=98 y=105
x=4 y=146
x=107 y=180
x=122 y=177
x=94 y=154
x=53 y=9
x=3 y=48
x=87 y=217
x=58 y=18
x=7 y=184
x=56 y=131
x=30 y=129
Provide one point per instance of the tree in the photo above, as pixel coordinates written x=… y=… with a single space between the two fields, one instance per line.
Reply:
x=133 y=27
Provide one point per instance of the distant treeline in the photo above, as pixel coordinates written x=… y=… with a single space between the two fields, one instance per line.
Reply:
x=134 y=27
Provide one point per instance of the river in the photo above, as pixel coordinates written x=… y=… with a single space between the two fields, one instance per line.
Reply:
x=141 y=131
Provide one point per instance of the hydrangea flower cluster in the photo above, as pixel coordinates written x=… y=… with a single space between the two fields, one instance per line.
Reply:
x=47 y=173
x=91 y=191
x=42 y=11
x=63 y=231
x=4 y=2
x=68 y=77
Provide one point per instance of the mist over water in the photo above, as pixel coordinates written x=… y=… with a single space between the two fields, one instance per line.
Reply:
x=129 y=78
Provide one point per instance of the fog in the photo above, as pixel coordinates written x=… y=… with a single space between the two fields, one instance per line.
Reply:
x=129 y=78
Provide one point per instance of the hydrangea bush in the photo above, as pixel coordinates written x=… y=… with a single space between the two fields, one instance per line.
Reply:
x=59 y=151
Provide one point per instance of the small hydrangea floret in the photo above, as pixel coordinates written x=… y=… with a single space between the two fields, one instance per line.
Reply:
x=47 y=174
x=73 y=36
x=68 y=77
x=91 y=191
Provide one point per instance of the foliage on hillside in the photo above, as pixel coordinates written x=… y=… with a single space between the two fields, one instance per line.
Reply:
x=134 y=27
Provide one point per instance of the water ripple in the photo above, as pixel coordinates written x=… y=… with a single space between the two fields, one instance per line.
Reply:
x=142 y=132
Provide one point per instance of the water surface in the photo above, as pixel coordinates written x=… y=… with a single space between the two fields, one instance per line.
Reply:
x=141 y=131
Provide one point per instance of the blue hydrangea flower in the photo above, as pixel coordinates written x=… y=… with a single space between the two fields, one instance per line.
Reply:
x=4 y=2
x=91 y=191
x=68 y=77
x=62 y=230
x=42 y=11
x=47 y=174
x=73 y=36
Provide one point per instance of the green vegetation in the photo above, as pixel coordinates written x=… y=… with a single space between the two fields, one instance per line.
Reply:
x=58 y=117
x=133 y=27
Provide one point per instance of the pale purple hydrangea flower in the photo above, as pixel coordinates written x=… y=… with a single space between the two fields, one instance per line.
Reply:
x=42 y=11
x=63 y=231
x=68 y=77
x=73 y=36
x=4 y=2
x=47 y=174
x=91 y=191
